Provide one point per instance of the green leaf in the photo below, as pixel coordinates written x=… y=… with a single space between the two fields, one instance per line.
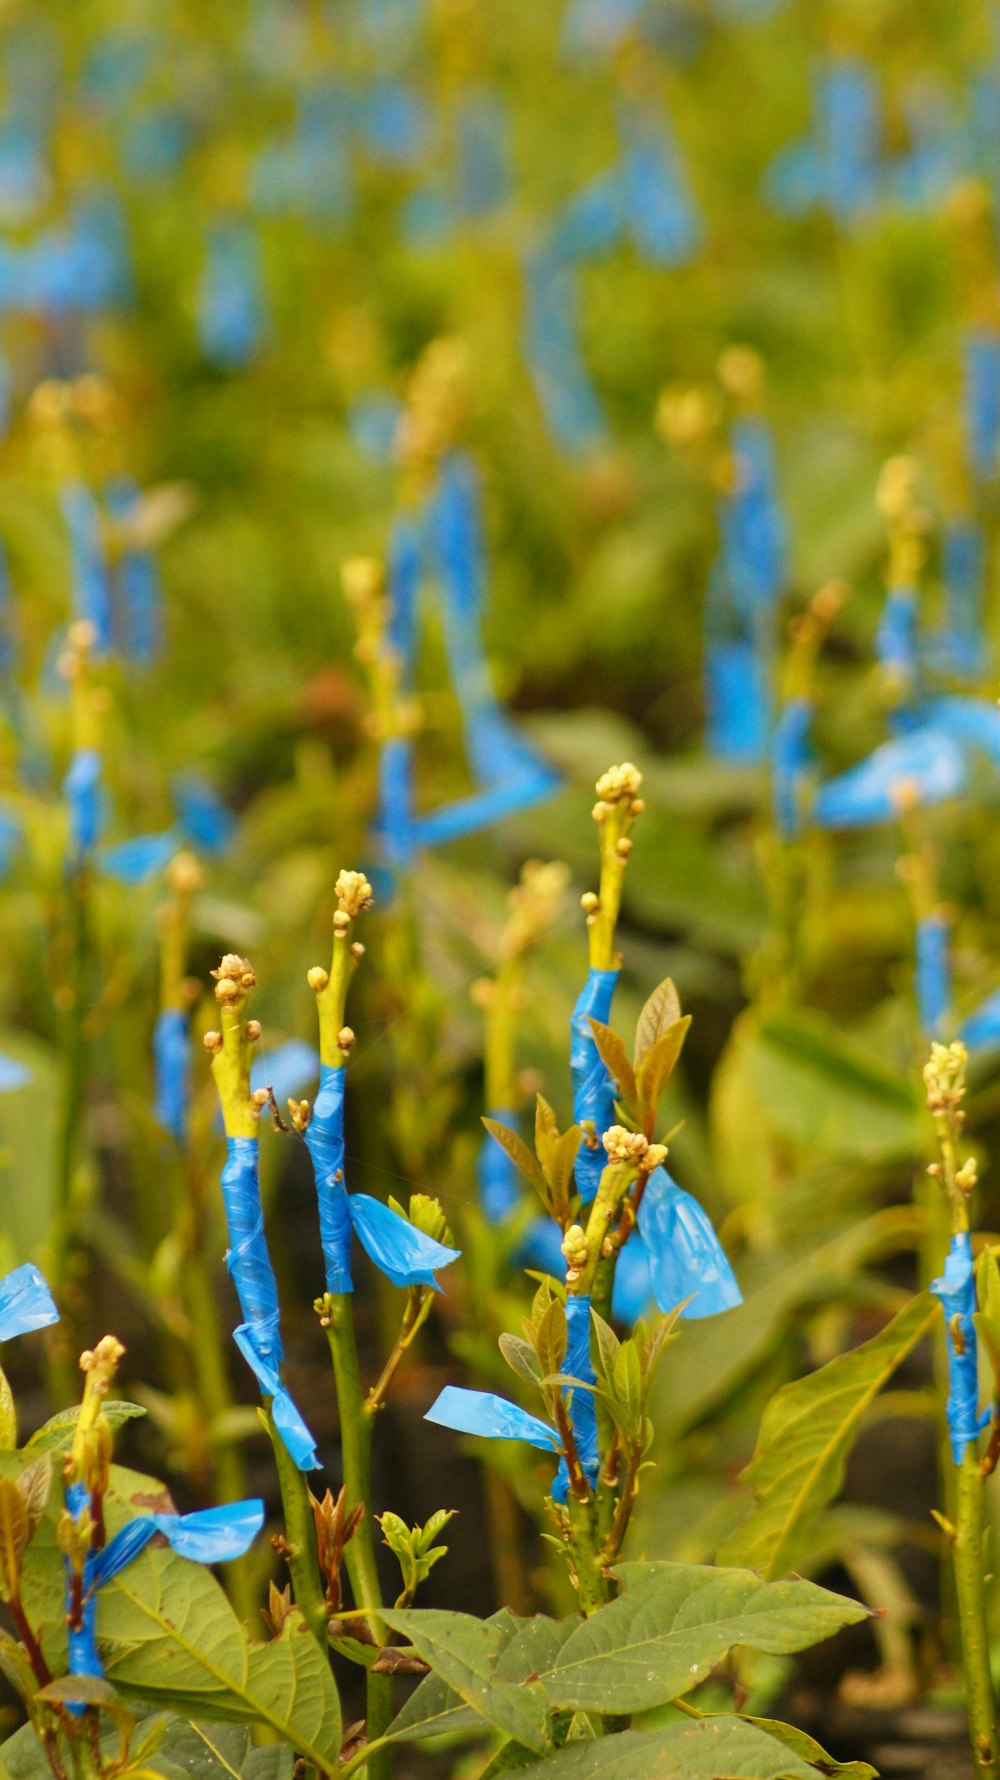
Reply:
x=658 y=1065
x=551 y=1337
x=223 y=1752
x=822 y=1091
x=15 y=1531
x=702 y=1750
x=674 y=1623
x=806 y=1435
x=521 y=1357
x=464 y=1652
x=661 y=1010
x=432 y=1709
x=615 y=1059
x=627 y=1384
x=170 y=1638
x=608 y=1346
x=28 y=1147
x=56 y=1435
x=811 y=1751
x=520 y=1155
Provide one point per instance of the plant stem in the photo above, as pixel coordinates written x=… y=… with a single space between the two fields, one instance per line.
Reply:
x=300 y=1530
x=591 y=1584
x=969 y=1583
x=359 y=1555
x=74 y=1048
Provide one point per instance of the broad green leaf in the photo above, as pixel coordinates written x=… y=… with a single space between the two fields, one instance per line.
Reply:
x=661 y=1010
x=614 y=1056
x=521 y=1357
x=551 y=1337
x=509 y=1758
x=519 y=1154
x=705 y=1749
x=674 y=1623
x=222 y=1752
x=56 y=1435
x=15 y=1531
x=433 y=1708
x=608 y=1345
x=806 y=1435
x=822 y=1091
x=810 y=1751
x=28 y=1148
x=170 y=1638
x=465 y=1653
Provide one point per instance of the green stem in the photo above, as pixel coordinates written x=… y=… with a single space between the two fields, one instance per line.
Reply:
x=591 y=1584
x=359 y=1554
x=300 y=1531
x=969 y=1584
x=74 y=1047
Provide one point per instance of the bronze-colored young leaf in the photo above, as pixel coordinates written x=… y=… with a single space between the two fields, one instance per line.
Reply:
x=561 y=1162
x=608 y=1347
x=15 y=1531
x=520 y=1155
x=658 y=1066
x=615 y=1059
x=34 y=1483
x=550 y=1338
x=662 y=1010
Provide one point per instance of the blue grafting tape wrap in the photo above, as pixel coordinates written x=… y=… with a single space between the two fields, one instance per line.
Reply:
x=82 y=786
x=660 y=209
x=551 y=336
x=685 y=1257
x=83 y=1655
x=957 y=1291
x=896 y=636
x=172 y=1061
x=754 y=534
x=259 y=1336
x=230 y=298
x=981 y=366
x=593 y=1092
x=582 y=1406
x=983 y=1027
x=404 y=1254
x=139 y=625
x=481 y=1412
x=928 y=761
x=325 y=1142
x=136 y=860
x=91 y=588
x=972 y=720
x=964 y=564
x=499 y=1183
x=933 y=975
x=791 y=762
x=25 y=1303
x=736 y=700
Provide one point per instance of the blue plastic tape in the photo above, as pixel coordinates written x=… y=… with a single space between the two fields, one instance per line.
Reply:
x=582 y=1407
x=685 y=1257
x=933 y=975
x=172 y=1062
x=792 y=762
x=249 y=1264
x=593 y=1090
x=957 y=1291
x=25 y=1303
x=481 y=1412
x=499 y=1182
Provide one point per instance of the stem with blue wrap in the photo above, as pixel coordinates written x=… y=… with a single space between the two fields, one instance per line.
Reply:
x=259 y=1336
x=336 y=1308
x=944 y=1076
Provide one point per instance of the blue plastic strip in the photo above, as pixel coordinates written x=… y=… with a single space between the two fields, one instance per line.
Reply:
x=957 y=1291
x=983 y=1027
x=581 y=1403
x=249 y=1264
x=661 y=213
x=593 y=1091
x=139 y=621
x=91 y=587
x=933 y=975
x=927 y=763
x=736 y=701
x=25 y=1303
x=12 y=1074
x=896 y=637
x=964 y=583
x=230 y=300
x=404 y=1254
x=972 y=720
x=203 y=818
x=499 y=1183
x=551 y=340
x=82 y=787
x=481 y=1412
x=137 y=860
x=325 y=1142
x=208 y=1536
x=632 y=1293
x=685 y=1257
x=792 y=762
x=172 y=1062
x=483 y=153
x=981 y=365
